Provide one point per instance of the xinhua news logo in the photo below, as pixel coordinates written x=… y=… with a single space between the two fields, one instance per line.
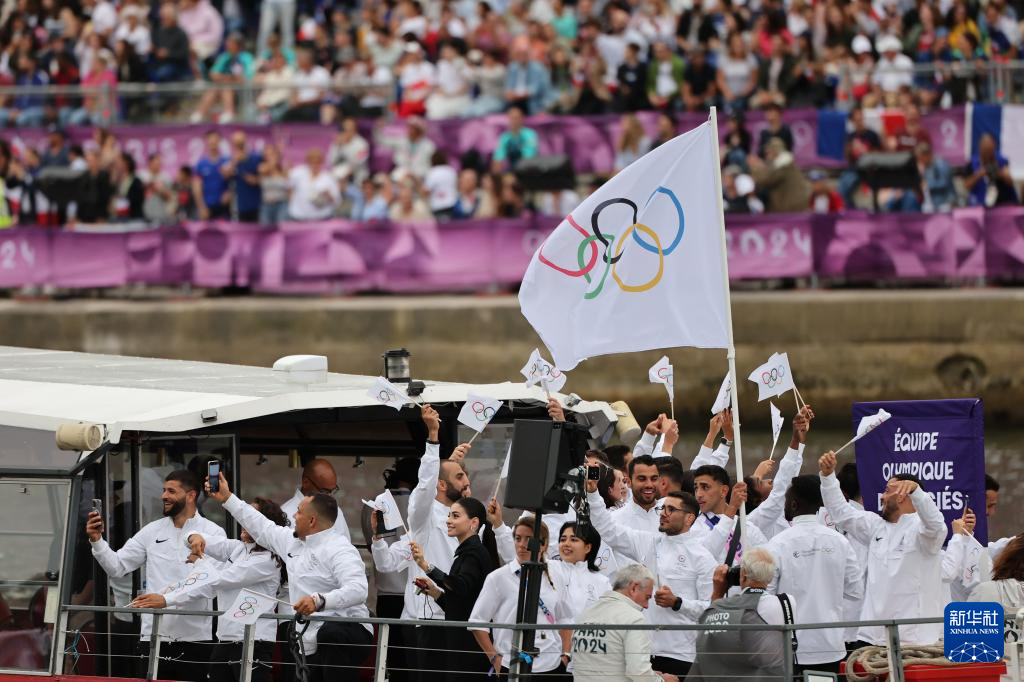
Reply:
x=974 y=632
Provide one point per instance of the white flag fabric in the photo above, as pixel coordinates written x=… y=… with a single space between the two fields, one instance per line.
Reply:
x=871 y=422
x=478 y=411
x=777 y=422
x=249 y=606
x=204 y=571
x=504 y=465
x=662 y=373
x=638 y=264
x=538 y=370
x=774 y=377
x=724 y=398
x=392 y=514
x=386 y=393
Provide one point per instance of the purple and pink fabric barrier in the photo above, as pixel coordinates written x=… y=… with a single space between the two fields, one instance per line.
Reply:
x=345 y=257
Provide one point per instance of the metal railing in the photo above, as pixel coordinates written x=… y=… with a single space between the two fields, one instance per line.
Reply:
x=989 y=82
x=384 y=626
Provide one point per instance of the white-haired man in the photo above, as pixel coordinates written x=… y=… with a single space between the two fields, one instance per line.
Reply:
x=618 y=655
x=762 y=651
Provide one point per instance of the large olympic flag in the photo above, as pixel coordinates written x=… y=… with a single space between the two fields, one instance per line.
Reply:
x=639 y=264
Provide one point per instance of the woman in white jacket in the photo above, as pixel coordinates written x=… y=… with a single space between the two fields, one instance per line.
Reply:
x=242 y=564
x=1007 y=583
x=577 y=574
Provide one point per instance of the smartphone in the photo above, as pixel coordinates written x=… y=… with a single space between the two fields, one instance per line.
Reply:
x=213 y=471
x=967 y=502
x=593 y=473
x=97 y=505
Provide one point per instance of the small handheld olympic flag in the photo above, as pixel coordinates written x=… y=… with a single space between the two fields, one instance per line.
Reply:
x=504 y=472
x=248 y=606
x=774 y=377
x=386 y=393
x=385 y=503
x=539 y=370
x=662 y=373
x=478 y=411
x=724 y=398
x=866 y=426
x=777 y=422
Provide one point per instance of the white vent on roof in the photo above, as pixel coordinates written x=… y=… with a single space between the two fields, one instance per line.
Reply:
x=302 y=369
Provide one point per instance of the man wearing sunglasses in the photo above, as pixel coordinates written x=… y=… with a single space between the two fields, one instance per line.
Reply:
x=682 y=566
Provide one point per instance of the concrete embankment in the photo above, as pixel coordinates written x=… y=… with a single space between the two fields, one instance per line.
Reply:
x=843 y=345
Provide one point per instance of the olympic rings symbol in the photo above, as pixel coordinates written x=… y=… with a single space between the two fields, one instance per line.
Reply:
x=544 y=370
x=387 y=396
x=614 y=246
x=665 y=374
x=246 y=608
x=192 y=579
x=771 y=379
x=482 y=412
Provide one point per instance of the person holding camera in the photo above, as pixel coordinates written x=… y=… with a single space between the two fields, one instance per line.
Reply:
x=680 y=561
x=160 y=546
x=743 y=654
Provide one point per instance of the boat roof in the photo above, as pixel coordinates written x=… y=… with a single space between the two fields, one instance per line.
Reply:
x=42 y=389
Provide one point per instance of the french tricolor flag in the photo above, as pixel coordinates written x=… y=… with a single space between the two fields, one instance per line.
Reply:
x=1005 y=123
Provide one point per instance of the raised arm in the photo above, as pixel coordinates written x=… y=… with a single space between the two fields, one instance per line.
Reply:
x=769 y=511
x=391 y=558
x=646 y=444
x=933 y=523
x=263 y=531
x=503 y=536
x=217 y=547
x=422 y=496
x=637 y=545
x=859 y=524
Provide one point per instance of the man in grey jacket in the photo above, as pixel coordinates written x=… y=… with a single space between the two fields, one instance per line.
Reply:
x=618 y=655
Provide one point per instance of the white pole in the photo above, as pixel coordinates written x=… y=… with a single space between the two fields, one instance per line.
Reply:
x=731 y=353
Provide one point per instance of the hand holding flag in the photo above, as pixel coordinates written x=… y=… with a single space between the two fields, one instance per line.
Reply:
x=478 y=411
x=386 y=393
x=777 y=421
x=539 y=370
x=662 y=373
x=385 y=503
x=866 y=426
x=724 y=398
x=774 y=377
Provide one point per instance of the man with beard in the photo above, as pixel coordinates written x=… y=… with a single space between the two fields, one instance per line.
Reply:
x=904 y=565
x=161 y=546
x=639 y=513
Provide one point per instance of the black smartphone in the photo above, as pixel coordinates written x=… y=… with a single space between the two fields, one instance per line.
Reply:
x=967 y=502
x=213 y=471
x=97 y=506
x=593 y=473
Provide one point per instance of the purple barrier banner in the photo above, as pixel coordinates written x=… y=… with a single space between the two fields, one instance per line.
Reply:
x=942 y=442
x=340 y=256
x=588 y=140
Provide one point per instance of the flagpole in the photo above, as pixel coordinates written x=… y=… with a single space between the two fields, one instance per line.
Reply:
x=731 y=352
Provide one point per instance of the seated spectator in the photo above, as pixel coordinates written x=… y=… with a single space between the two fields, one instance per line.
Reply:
x=451 y=96
x=516 y=143
x=632 y=144
x=314 y=190
x=378 y=194
x=937 y=193
x=160 y=203
x=170 y=49
x=242 y=171
x=739 y=193
x=858 y=69
x=665 y=78
x=737 y=73
x=350 y=151
x=384 y=48
x=134 y=30
x=467 y=203
x=310 y=82
x=631 y=93
x=511 y=202
x=274 y=185
x=990 y=183
x=487 y=74
x=440 y=186
x=56 y=154
x=666 y=130
x=776 y=76
x=824 y=199
x=860 y=140
x=912 y=133
x=129 y=194
x=894 y=71
x=96 y=109
x=27 y=110
x=128 y=66
x=700 y=82
x=233 y=66
x=203 y=25
x=737 y=140
x=779 y=181
x=209 y=185
x=417 y=78
x=527 y=83
x=408 y=205
x=274 y=80
x=414 y=151
x=373 y=83
x=272 y=49
x=591 y=96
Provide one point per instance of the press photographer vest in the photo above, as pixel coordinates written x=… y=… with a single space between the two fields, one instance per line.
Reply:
x=746 y=654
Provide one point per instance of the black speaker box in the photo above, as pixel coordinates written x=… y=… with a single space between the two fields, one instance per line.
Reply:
x=542 y=453
x=546 y=173
x=889 y=169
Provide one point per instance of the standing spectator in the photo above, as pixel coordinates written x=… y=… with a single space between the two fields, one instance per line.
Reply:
x=378 y=194
x=591 y=94
x=700 y=82
x=777 y=75
x=440 y=184
x=204 y=26
x=632 y=80
x=350 y=151
x=310 y=83
x=274 y=186
x=55 y=155
x=860 y=140
x=527 y=83
x=275 y=80
x=779 y=180
x=129 y=193
x=417 y=78
x=209 y=185
x=96 y=109
x=737 y=140
x=894 y=71
x=737 y=73
x=276 y=17
x=128 y=66
x=451 y=97
x=468 y=200
x=414 y=151
x=243 y=171
x=990 y=183
x=314 y=191
x=913 y=133
x=134 y=30
x=160 y=202
x=516 y=143
x=936 y=194
x=233 y=66
x=28 y=110
x=487 y=73
x=377 y=83
x=183 y=188
x=93 y=201
x=170 y=48
x=665 y=78
x=632 y=142
x=408 y=205
x=824 y=199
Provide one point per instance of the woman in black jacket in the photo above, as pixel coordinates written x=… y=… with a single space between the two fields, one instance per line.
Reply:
x=456 y=591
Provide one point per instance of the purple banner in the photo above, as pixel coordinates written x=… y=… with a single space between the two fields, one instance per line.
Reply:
x=473 y=255
x=942 y=442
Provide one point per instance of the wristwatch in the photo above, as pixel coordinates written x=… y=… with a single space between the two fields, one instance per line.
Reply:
x=678 y=605
x=726 y=442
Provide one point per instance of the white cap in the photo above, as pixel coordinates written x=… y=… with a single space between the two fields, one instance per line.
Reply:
x=861 y=45
x=889 y=44
x=744 y=185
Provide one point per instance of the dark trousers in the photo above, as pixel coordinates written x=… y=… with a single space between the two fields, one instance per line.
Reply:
x=286 y=671
x=124 y=640
x=798 y=670
x=340 y=649
x=400 y=643
x=226 y=666
x=672 y=666
x=430 y=654
x=185 y=661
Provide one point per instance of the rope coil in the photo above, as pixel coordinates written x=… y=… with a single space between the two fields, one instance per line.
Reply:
x=874 y=661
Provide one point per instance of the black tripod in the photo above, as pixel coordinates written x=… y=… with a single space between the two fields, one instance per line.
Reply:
x=524 y=650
